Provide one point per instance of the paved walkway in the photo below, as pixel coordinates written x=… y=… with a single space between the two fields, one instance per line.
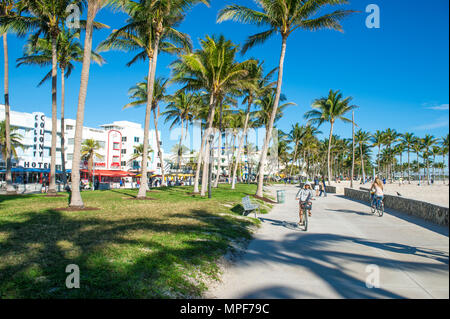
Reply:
x=332 y=259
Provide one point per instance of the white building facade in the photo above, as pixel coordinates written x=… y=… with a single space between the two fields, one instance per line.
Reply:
x=117 y=143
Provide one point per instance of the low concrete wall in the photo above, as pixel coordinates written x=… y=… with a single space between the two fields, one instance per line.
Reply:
x=330 y=189
x=430 y=212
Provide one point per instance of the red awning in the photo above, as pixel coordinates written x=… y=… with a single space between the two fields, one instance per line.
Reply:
x=110 y=173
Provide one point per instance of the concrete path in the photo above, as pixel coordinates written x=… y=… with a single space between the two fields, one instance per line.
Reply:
x=336 y=257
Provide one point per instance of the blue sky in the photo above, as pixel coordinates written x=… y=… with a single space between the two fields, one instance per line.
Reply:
x=398 y=74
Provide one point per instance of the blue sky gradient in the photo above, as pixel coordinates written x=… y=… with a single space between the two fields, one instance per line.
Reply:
x=398 y=74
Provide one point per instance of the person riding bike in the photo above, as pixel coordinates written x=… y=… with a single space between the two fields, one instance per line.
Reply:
x=304 y=195
x=376 y=191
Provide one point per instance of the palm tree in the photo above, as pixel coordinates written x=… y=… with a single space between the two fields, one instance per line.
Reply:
x=212 y=68
x=93 y=8
x=362 y=138
x=417 y=147
x=295 y=136
x=283 y=17
x=408 y=141
x=15 y=141
x=330 y=109
x=89 y=150
x=46 y=17
x=399 y=149
x=137 y=154
x=149 y=23
x=139 y=94
x=262 y=84
x=435 y=151
x=427 y=143
x=7 y=10
x=390 y=136
x=68 y=50
x=179 y=111
x=378 y=141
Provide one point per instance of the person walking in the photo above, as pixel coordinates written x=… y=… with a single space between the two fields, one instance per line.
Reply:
x=324 y=186
x=316 y=185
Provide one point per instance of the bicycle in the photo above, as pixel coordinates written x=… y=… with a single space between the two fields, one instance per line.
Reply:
x=305 y=208
x=376 y=205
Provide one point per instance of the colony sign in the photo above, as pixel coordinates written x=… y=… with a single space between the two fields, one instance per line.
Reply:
x=38 y=143
x=38 y=136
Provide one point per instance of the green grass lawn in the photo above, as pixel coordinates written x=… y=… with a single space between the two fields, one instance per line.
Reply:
x=164 y=248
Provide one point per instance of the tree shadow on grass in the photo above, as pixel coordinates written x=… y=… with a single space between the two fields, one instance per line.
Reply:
x=137 y=257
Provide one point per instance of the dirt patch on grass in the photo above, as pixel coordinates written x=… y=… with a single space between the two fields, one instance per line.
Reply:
x=77 y=209
x=135 y=198
x=265 y=199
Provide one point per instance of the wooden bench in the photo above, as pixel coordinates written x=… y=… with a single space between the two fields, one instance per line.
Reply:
x=249 y=206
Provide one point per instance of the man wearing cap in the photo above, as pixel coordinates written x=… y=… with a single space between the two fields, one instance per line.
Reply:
x=304 y=195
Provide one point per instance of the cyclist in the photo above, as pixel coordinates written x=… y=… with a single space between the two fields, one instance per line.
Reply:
x=377 y=187
x=304 y=195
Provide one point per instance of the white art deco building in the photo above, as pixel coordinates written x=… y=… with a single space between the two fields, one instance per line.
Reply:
x=117 y=141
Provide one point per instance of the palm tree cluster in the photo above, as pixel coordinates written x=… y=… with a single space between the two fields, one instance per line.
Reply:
x=332 y=157
x=212 y=82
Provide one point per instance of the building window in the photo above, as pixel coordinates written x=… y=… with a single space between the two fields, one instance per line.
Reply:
x=124 y=138
x=124 y=163
x=124 y=151
x=69 y=127
x=69 y=157
x=136 y=139
x=135 y=151
x=70 y=141
x=116 y=146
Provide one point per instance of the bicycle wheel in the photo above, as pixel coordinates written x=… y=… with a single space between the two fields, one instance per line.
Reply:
x=305 y=217
x=373 y=208
x=381 y=209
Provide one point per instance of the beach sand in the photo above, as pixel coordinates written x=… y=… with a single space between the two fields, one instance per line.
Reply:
x=437 y=194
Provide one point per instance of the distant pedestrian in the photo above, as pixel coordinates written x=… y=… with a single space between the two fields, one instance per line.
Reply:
x=324 y=187
x=316 y=185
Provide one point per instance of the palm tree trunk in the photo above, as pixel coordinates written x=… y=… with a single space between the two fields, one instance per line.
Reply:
x=362 y=165
x=158 y=146
x=199 y=163
x=63 y=141
x=219 y=149
x=329 y=152
x=76 y=200
x=353 y=151
x=150 y=88
x=241 y=143
x=179 y=146
x=293 y=160
x=206 y=151
x=9 y=186
x=52 y=185
x=409 y=170
x=262 y=160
